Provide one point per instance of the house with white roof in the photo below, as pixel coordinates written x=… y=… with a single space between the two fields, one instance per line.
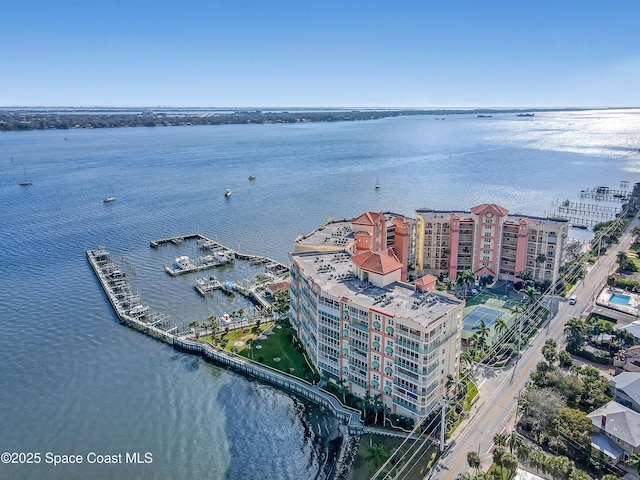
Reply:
x=616 y=431
x=626 y=389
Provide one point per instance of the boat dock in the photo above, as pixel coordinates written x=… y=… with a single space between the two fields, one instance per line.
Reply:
x=212 y=246
x=205 y=285
x=606 y=193
x=126 y=302
x=131 y=311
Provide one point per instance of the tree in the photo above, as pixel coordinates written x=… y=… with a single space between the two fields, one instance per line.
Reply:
x=527 y=278
x=463 y=278
x=498 y=455
x=634 y=461
x=510 y=462
x=214 y=325
x=378 y=406
x=550 y=351
x=572 y=424
x=483 y=332
x=532 y=294
x=540 y=259
x=501 y=326
x=343 y=390
x=580 y=475
x=376 y=454
x=574 y=332
x=538 y=407
x=281 y=302
x=473 y=459
x=193 y=325
x=622 y=259
x=500 y=439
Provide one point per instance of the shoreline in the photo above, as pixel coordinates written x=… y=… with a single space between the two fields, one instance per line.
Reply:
x=29 y=119
x=349 y=424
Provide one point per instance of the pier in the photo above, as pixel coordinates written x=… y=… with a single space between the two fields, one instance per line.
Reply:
x=208 y=245
x=131 y=311
x=586 y=215
x=606 y=193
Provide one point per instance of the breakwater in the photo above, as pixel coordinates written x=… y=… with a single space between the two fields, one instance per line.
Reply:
x=131 y=311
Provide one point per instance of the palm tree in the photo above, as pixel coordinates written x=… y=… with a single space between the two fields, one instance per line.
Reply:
x=205 y=326
x=376 y=454
x=378 y=406
x=473 y=459
x=483 y=332
x=498 y=455
x=194 y=324
x=527 y=278
x=532 y=293
x=214 y=325
x=463 y=278
x=540 y=259
x=500 y=439
x=500 y=327
x=510 y=462
x=343 y=390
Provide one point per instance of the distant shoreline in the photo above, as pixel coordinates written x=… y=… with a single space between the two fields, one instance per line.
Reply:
x=67 y=118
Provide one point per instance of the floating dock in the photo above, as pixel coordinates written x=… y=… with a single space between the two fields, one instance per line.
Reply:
x=209 y=245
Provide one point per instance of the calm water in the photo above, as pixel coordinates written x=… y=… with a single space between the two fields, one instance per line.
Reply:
x=74 y=381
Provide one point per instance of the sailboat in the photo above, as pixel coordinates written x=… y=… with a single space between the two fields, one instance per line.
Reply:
x=26 y=181
x=110 y=198
x=377 y=183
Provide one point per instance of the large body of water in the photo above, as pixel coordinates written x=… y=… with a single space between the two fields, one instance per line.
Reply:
x=74 y=381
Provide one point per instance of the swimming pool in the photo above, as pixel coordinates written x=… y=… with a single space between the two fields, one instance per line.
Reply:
x=619 y=299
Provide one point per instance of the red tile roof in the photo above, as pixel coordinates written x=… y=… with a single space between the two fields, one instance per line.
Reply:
x=367 y=218
x=491 y=207
x=377 y=262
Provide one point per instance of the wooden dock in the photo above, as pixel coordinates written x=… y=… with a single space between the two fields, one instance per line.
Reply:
x=207 y=244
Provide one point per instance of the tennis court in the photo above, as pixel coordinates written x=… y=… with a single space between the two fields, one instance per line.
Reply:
x=479 y=313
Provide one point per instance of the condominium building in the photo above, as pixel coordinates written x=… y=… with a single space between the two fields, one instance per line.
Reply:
x=489 y=241
x=360 y=323
x=374 y=231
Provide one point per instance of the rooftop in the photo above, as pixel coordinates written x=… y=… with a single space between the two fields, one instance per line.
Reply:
x=335 y=274
x=335 y=233
x=620 y=422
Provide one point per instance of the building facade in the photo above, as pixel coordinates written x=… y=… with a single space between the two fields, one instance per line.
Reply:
x=488 y=241
x=362 y=325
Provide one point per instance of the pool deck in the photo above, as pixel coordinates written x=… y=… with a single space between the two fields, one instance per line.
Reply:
x=632 y=308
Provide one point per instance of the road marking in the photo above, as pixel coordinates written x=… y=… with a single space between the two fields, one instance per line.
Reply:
x=457 y=464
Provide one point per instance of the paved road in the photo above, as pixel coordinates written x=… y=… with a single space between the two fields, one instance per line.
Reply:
x=499 y=389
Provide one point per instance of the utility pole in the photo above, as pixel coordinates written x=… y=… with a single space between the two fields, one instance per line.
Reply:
x=443 y=423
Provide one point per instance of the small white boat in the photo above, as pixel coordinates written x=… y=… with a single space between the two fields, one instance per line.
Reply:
x=227 y=193
x=108 y=199
x=26 y=181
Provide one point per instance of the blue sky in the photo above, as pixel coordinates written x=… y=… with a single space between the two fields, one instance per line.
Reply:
x=320 y=53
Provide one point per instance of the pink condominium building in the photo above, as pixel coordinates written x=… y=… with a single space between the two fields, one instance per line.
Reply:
x=489 y=241
x=362 y=323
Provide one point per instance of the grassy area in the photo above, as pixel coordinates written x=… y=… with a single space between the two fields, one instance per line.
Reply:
x=364 y=469
x=276 y=350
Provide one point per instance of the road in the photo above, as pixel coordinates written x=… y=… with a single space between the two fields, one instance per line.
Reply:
x=499 y=389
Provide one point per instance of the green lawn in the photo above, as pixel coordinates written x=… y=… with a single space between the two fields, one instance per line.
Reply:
x=276 y=350
x=279 y=352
